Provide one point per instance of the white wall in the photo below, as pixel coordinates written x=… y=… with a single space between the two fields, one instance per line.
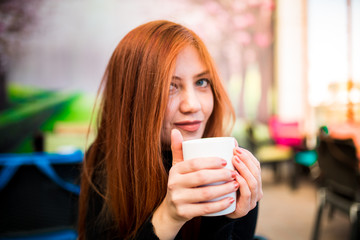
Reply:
x=290 y=53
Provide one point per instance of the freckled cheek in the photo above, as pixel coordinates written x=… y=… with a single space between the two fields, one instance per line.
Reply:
x=169 y=115
x=208 y=106
x=166 y=131
x=171 y=109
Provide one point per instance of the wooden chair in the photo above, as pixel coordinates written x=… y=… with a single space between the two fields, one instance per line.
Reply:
x=341 y=181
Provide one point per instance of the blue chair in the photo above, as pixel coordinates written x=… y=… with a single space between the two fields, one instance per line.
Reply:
x=39 y=195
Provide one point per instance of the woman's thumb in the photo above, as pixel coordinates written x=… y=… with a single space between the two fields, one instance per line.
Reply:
x=176 y=146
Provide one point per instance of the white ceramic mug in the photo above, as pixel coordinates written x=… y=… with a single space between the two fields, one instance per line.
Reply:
x=221 y=147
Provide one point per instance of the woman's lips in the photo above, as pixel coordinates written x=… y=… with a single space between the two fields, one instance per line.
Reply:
x=190 y=126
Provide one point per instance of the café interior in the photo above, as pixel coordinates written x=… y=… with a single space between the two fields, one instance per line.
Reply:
x=291 y=69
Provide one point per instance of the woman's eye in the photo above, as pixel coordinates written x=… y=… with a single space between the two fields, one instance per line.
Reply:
x=173 y=87
x=202 y=82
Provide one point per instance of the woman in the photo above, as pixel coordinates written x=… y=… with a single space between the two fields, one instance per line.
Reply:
x=160 y=88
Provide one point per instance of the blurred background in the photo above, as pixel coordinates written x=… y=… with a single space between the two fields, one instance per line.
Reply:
x=290 y=67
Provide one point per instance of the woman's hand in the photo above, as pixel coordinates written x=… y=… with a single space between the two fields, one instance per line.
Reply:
x=249 y=178
x=186 y=195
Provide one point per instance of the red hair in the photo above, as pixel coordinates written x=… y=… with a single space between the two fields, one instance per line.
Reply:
x=136 y=83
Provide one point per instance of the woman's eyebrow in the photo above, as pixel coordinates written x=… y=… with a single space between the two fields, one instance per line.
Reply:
x=202 y=74
x=206 y=72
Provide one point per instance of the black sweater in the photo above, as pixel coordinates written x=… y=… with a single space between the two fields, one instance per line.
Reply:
x=217 y=228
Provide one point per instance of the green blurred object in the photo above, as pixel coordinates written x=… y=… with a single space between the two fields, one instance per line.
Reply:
x=79 y=110
x=265 y=150
x=67 y=142
x=324 y=129
x=27 y=110
x=239 y=133
x=69 y=129
x=273 y=153
x=33 y=111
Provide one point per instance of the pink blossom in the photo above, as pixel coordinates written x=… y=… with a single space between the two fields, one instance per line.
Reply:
x=254 y=3
x=212 y=7
x=262 y=39
x=239 y=6
x=249 y=55
x=243 y=37
x=243 y=21
x=268 y=5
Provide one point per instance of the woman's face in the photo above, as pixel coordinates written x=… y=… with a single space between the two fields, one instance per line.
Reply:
x=191 y=99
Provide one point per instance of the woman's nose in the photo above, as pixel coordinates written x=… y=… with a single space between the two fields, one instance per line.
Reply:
x=190 y=101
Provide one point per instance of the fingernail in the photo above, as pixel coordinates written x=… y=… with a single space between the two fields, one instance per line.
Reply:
x=236 y=184
x=237 y=159
x=238 y=150
x=233 y=174
x=223 y=162
x=231 y=200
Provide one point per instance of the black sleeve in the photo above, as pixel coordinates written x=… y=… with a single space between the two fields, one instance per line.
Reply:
x=146 y=232
x=217 y=228
x=98 y=229
x=223 y=228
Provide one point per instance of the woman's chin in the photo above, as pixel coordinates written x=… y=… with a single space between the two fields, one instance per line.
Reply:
x=187 y=137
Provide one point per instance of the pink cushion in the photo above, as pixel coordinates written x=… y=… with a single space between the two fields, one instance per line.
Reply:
x=285 y=133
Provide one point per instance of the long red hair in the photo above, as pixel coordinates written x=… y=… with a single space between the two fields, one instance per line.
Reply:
x=133 y=180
